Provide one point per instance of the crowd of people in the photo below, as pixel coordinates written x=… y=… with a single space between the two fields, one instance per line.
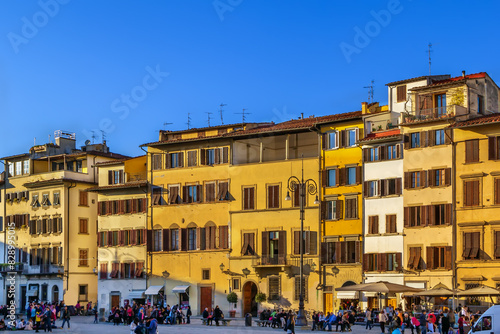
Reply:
x=163 y=315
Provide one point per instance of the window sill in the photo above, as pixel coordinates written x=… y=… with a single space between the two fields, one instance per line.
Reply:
x=472 y=162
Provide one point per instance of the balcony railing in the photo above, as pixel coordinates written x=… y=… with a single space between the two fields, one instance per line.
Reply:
x=434 y=113
x=269 y=260
x=12 y=268
x=383 y=125
x=136 y=177
x=43 y=269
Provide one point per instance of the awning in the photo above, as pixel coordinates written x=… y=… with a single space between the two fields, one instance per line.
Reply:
x=180 y=289
x=136 y=294
x=32 y=293
x=347 y=295
x=153 y=290
x=371 y=294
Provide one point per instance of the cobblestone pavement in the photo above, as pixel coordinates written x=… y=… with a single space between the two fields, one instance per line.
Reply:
x=86 y=325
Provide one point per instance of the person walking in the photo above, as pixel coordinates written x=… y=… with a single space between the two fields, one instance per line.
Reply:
x=47 y=320
x=65 y=316
x=369 y=321
x=290 y=324
x=188 y=315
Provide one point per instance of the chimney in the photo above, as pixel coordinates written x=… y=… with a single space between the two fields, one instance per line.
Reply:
x=301 y=115
x=463 y=74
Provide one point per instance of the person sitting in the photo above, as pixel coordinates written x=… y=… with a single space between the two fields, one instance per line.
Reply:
x=21 y=325
x=206 y=316
x=218 y=315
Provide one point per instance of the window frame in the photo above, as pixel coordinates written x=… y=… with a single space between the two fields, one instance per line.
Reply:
x=329 y=144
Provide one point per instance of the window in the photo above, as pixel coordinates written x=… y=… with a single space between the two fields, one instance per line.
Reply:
x=274 y=291
x=174 y=239
x=273 y=197
x=484 y=324
x=331 y=178
x=84 y=226
x=26 y=167
x=439 y=215
x=373 y=188
x=439 y=177
x=19 y=169
x=351 y=208
x=370 y=262
x=205 y=274
x=34 y=202
x=415 y=257
x=235 y=284
x=103 y=273
x=191 y=238
x=214 y=156
x=341 y=252
x=350 y=175
x=210 y=192
x=45 y=200
x=439 y=257
x=83 y=262
x=173 y=197
x=352 y=137
x=440 y=101
x=223 y=193
x=392 y=152
x=471 y=193
x=57 y=198
x=248 y=198
x=373 y=225
x=332 y=140
x=211 y=157
x=414 y=215
x=11 y=169
x=472 y=244
x=82 y=293
x=415 y=140
x=248 y=244
x=175 y=160
x=126 y=270
x=333 y=210
x=472 y=150
x=156 y=161
x=297 y=287
x=391 y=187
x=84 y=198
x=390 y=224
x=439 y=137
x=374 y=154
x=157 y=240
x=192 y=193
x=496 y=190
x=480 y=104
x=401 y=93
x=493 y=148
x=416 y=181
x=192 y=158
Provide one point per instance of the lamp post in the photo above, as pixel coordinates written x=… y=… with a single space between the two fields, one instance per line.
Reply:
x=303 y=187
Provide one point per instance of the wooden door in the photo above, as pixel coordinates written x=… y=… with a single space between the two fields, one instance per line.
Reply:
x=115 y=301
x=205 y=298
x=328 y=302
x=249 y=304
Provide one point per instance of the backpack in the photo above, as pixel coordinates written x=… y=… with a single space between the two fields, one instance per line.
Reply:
x=140 y=330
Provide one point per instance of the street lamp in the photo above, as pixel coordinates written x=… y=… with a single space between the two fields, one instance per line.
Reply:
x=303 y=187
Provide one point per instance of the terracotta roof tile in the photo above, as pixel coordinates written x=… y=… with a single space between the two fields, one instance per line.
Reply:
x=415 y=79
x=132 y=184
x=493 y=118
x=453 y=80
x=394 y=133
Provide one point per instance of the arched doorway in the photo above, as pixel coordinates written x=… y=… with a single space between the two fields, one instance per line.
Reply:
x=55 y=294
x=348 y=283
x=249 y=304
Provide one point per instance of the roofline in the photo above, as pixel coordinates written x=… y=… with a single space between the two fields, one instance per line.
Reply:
x=15 y=156
x=397 y=137
x=140 y=184
x=207 y=128
x=394 y=83
x=52 y=182
x=456 y=124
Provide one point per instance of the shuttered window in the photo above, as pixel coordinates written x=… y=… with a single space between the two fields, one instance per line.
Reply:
x=248 y=244
x=414 y=259
x=210 y=192
x=497 y=245
x=192 y=158
x=472 y=150
x=84 y=229
x=84 y=198
x=401 y=93
x=274 y=288
x=103 y=273
x=174 y=196
x=373 y=225
x=83 y=259
x=331 y=210
x=249 y=198
x=223 y=191
x=156 y=161
x=297 y=287
x=390 y=224
x=472 y=243
x=471 y=193
x=351 y=208
x=273 y=197
x=156 y=196
x=497 y=190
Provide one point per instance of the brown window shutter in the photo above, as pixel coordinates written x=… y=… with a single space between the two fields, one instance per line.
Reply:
x=121 y=237
x=497 y=190
x=492 y=148
x=339 y=209
x=282 y=246
x=183 y=239
x=447 y=257
x=149 y=240
x=324 y=253
x=342 y=172
x=467 y=243
x=497 y=244
x=382 y=152
x=122 y=270
x=431 y=174
x=476 y=193
x=359 y=177
x=448 y=136
x=265 y=243
x=467 y=194
x=366 y=185
x=110 y=177
x=407 y=176
x=216 y=156
x=447 y=176
x=324 y=180
x=323 y=207
x=448 y=209
x=424 y=215
x=375 y=225
x=366 y=155
x=381 y=188
x=313 y=243
x=399 y=261
x=406 y=139
x=431 y=138
x=424 y=181
x=225 y=155
x=252 y=198
x=324 y=137
x=430 y=258
x=342 y=138
x=166 y=239
x=358 y=250
x=184 y=194
x=476 y=149
x=168 y=161
x=476 y=245
x=366 y=262
x=199 y=193
x=418 y=256
x=407 y=217
x=411 y=258
x=203 y=157
x=296 y=242
x=223 y=237
x=399 y=191
x=423 y=138
x=180 y=158
x=338 y=252
x=383 y=262
x=468 y=151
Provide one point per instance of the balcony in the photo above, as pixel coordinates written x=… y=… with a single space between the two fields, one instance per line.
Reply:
x=279 y=261
x=434 y=114
x=6 y=268
x=43 y=269
x=383 y=125
x=135 y=177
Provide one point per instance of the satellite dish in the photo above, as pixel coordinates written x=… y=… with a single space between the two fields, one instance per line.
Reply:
x=87 y=142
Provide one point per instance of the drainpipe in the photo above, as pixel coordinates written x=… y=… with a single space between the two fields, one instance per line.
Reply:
x=67 y=236
x=453 y=217
x=150 y=191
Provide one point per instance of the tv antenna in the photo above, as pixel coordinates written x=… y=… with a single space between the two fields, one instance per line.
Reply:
x=243 y=113
x=429 y=50
x=103 y=135
x=93 y=137
x=165 y=125
x=370 y=91
x=221 y=111
x=208 y=115
x=189 y=121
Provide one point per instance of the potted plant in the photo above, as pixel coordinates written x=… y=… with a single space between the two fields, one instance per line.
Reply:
x=232 y=298
x=260 y=297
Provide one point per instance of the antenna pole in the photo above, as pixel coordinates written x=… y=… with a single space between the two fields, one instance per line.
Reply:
x=103 y=136
x=221 y=111
x=189 y=121
x=208 y=115
x=429 y=50
x=371 y=91
x=165 y=125
x=93 y=136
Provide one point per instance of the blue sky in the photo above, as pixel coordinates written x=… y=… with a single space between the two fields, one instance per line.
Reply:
x=127 y=67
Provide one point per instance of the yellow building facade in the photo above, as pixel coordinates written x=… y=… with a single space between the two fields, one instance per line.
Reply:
x=53 y=219
x=341 y=213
